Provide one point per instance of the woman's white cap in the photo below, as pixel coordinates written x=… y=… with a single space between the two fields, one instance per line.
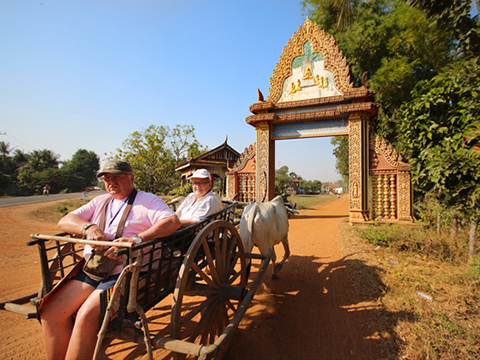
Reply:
x=201 y=174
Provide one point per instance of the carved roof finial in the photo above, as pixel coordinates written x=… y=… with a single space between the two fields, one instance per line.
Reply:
x=364 y=79
x=260 y=96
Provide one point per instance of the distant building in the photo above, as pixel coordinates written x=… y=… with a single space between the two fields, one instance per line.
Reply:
x=217 y=161
x=335 y=188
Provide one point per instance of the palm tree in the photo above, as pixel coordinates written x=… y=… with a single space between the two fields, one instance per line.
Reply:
x=40 y=160
x=4 y=156
x=4 y=150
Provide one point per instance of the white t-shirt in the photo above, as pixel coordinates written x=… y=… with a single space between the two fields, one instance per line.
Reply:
x=199 y=210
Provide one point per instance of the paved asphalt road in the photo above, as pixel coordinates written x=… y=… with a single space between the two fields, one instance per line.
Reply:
x=22 y=200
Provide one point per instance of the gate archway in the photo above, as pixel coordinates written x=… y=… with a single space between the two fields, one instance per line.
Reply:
x=311 y=96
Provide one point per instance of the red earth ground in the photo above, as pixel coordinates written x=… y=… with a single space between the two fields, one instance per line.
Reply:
x=310 y=312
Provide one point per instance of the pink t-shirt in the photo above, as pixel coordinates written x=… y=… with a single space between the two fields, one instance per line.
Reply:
x=147 y=209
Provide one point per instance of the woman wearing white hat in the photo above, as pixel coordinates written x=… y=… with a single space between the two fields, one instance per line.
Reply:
x=201 y=202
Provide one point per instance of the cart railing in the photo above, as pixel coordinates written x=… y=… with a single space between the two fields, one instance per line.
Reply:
x=157 y=278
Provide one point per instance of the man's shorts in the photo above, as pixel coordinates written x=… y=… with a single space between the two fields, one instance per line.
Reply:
x=99 y=285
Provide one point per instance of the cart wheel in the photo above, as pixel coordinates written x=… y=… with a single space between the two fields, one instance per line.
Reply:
x=210 y=285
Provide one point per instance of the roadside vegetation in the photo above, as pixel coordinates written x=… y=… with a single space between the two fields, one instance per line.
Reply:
x=153 y=154
x=53 y=212
x=421 y=59
x=427 y=291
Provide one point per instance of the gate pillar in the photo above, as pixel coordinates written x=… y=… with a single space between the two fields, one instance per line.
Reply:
x=265 y=170
x=358 y=166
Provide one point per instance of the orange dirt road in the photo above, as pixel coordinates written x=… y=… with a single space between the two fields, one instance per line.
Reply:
x=310 y=312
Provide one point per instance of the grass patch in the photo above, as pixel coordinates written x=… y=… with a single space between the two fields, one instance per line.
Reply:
x=408 y=262
x=311 y=202
x=54 y=212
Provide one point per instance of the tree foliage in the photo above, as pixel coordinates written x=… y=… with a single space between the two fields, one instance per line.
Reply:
x=438 y=136
x=341 y=153
x=29 y=172
x=155 y=152
x=422 y=57
x=395 y=43
x=85 y=165
x=454 y=17
x=282 y=180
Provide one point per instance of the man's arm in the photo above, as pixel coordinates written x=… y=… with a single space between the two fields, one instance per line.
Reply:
x=186 y=223
x=74 y=224
x=161 y=228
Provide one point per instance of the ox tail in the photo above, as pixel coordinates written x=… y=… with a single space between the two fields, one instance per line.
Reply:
x=266 y=185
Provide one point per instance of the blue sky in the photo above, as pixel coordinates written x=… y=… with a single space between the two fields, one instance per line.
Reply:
x=86 y=74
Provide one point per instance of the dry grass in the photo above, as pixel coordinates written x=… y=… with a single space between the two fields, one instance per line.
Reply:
x=444 y=323
x=311 y=201
x=54 y=212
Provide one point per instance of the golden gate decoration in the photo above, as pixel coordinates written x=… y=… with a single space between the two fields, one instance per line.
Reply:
x=241 y=179
x=391 y=183
x=311 y=95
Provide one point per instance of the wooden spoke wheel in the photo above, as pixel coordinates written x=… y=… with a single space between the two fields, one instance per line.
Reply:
x=210 y=285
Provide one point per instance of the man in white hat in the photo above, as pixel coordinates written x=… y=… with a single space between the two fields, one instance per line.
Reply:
x=202 y=202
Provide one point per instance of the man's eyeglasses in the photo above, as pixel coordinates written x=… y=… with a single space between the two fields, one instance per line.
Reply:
x=200 y=183
x=110 y=178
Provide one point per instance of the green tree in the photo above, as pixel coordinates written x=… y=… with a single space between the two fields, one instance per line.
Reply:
x=183 y=143
x=442 y=113
x=305 y=185
x=4 y=154
x=282 y=180
x=341 y=152
x=6 y=165
x=438 y=137
x=154 y=153
x=59 y=180
x=454 y=16
x=395 y=43
x=317 y=186
x=39 y=160
x=20 y=159
x=85 y=165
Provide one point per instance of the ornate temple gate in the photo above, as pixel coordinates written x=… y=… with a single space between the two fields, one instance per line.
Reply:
x=391 y=184
x=241 y=179
x=311 y=96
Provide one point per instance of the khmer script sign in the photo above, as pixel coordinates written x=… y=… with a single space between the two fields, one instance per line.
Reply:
x=303 y=129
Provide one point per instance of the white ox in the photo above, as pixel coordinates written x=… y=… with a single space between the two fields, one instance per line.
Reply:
x=265 y=225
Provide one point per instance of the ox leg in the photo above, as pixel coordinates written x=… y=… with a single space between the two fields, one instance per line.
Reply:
x=286 y=247
x=274 y=259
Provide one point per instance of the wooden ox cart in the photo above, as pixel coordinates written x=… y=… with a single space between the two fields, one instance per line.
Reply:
x=203 y=265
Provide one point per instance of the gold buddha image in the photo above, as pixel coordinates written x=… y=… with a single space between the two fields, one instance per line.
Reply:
x=321 y=82
x=308 y=73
